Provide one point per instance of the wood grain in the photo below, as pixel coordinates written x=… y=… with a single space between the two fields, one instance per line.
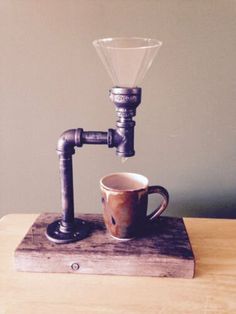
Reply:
x=164 y=250
x=212 y=290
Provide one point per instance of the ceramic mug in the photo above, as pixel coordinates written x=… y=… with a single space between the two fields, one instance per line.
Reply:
x=125 y=202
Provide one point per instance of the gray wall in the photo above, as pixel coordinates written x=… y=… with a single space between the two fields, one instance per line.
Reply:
x=51 y=79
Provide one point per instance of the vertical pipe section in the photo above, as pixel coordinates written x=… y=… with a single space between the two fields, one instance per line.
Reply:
x=126 y=101
x=67 y=195
x=65 y=149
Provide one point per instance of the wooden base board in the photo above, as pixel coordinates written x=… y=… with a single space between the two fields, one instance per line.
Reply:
x=163 y=251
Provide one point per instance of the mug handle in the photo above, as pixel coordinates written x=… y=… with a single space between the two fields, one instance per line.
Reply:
x=164 y=193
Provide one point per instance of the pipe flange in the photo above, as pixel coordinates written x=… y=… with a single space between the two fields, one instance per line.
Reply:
x=79 y=231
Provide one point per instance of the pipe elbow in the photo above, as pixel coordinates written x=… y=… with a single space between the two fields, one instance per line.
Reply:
x=68 y=140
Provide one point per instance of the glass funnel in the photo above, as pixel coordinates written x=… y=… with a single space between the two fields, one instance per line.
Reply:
x=127 y=60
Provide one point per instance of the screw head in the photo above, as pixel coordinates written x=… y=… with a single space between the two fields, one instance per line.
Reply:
x=75 y=266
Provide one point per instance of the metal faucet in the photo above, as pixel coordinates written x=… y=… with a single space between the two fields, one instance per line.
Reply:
x=126 y=100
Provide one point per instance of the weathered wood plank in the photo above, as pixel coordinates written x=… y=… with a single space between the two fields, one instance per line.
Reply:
x=164 y=250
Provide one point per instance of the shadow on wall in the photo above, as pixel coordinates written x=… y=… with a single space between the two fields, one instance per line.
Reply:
x=211 y=206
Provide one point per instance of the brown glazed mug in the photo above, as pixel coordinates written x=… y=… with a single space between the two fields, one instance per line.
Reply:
x=125 y=202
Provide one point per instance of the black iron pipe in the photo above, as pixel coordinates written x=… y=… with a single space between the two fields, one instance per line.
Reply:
x=67 y=195
x=94 y=137
x=126 y=100
x=65 y=149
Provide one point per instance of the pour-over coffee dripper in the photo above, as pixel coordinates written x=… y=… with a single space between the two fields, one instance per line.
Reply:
x=127 y=60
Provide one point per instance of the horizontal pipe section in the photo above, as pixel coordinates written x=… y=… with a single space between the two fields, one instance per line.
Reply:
x=94 y=137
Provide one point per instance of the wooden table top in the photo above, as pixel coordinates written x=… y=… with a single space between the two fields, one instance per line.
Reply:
x=213 y=290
